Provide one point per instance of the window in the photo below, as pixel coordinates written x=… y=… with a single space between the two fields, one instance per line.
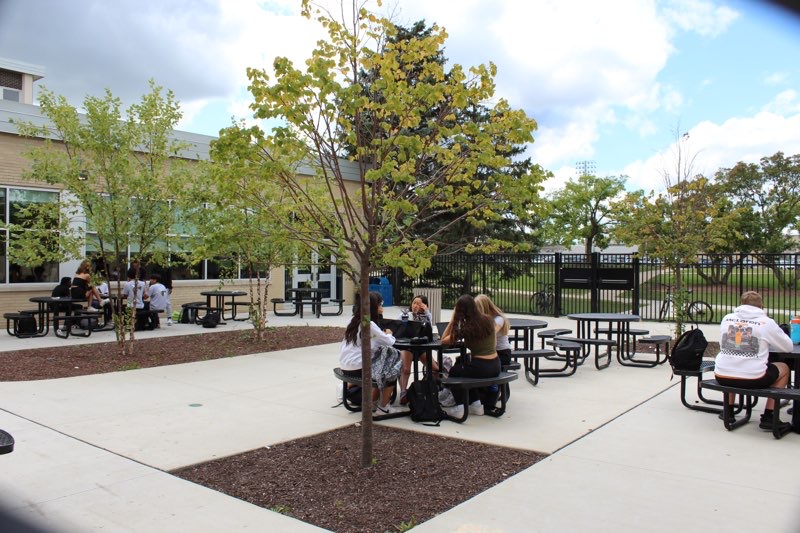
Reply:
x=11 y=94
x=12 y=210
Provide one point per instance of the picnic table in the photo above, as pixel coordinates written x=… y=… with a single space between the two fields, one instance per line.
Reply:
x=219 y=302
x=308 y=295
x=587 y=335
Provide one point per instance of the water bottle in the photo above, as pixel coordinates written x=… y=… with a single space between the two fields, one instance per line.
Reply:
x=404 y=317
x=795 y=325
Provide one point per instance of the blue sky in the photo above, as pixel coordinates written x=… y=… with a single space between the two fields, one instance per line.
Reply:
x=612 y=82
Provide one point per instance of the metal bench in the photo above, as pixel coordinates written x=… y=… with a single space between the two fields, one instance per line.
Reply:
x=705 y=366
x=635 y=358
x=276 y=301
x=6 y=442
x=66 y=325
x=339 y=302
x=235 y=309
x=468 y=383
x=530 y=359
x=356 y=380
x=747 y=402
x=597 y=343
x=13 y=327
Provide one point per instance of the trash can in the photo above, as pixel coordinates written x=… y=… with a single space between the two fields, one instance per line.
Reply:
x=384 y=288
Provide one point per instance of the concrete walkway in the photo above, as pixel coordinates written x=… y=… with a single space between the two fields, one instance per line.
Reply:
x=92 y=452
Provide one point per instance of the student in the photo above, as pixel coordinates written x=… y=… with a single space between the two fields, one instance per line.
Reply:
x=477 y=331
x=157 y=297
x=166 y=280
x=418 y=311
x=82 y=288
x=134 y=290
x=350 y=350
x=501 y=326
x=743 y=359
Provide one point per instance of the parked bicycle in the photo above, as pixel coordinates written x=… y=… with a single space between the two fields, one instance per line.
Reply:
x=541 y=303
x=697 y=311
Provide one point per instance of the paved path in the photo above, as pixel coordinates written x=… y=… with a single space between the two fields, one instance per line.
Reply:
x=92 y=452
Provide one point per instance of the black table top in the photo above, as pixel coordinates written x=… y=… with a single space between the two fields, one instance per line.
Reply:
x=55 y=299
x=527 y=323
x=223 y=293
x=605 y=317
x=309 y=290
x=406 y=344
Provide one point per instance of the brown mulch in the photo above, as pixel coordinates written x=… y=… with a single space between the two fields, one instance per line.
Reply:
x=83 y=359
x=319 y=479
x=316 y=479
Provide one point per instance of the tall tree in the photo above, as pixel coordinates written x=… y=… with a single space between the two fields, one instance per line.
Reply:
x=582 y=210
x=670 y=225
x=767 y=196
x=240 y=218
x=515 y=227
x=120 y=169
x=371 y=207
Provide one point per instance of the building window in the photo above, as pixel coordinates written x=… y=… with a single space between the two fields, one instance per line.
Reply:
x=13 y=203
x=11 y=94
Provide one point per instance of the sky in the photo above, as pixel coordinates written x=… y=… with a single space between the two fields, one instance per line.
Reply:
x=615 y=82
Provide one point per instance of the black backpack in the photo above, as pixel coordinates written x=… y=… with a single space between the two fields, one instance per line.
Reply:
x=211 y=319
x=26 y=326
x=423 y=399
x=687 y=354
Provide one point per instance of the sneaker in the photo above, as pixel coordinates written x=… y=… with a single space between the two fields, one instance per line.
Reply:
x=766 y=424
x=104 y=301
x=169 y=321
x=457 y=411
x=381 y=410
x=446 y=398
x=404 y=397
x=93 y=310
x=476 y=408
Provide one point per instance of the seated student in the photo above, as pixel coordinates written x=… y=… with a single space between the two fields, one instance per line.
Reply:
x=82 y=288
x=134 y=290
x=418 y=311
x=350 y=349
x=157 y=298
x=63 y=290
x=742 y=360
x=501 y=326
x=477 y=331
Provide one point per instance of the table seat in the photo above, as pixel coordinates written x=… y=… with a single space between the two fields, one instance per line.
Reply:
x=468 y=383
x=6 y=442
x=635 y=359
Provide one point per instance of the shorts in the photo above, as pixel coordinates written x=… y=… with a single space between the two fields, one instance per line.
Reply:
x=765 y=381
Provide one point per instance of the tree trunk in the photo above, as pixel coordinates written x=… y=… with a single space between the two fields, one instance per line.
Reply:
x=366 y=366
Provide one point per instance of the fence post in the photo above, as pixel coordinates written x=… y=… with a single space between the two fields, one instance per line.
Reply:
x=594 y=281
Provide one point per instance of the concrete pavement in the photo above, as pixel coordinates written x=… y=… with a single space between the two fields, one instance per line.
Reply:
x=92 y=451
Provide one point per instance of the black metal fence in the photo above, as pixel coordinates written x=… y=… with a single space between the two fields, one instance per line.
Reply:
x=560 y=284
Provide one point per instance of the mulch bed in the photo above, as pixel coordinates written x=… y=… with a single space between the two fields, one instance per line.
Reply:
x=72 y=360
x=319 y=479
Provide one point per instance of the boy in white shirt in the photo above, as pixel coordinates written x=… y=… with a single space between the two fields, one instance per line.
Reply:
x=134 y=290
x=158 y=296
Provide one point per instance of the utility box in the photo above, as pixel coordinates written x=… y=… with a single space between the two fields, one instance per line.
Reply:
x=384 y=288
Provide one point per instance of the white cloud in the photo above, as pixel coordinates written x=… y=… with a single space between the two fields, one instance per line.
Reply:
x=723 y=145
x=776 y=78
x=700 y=16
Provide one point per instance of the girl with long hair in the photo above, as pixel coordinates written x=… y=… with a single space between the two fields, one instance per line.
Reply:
x=350 y=349
x=477 y=331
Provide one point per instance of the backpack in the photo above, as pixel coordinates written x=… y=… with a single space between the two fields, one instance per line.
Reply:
x=385 y=366
x=687 y=354
x=211 y=319
x=423 y=399
x=26 y=325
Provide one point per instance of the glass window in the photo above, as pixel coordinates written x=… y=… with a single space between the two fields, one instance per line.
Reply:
x=18 y=200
